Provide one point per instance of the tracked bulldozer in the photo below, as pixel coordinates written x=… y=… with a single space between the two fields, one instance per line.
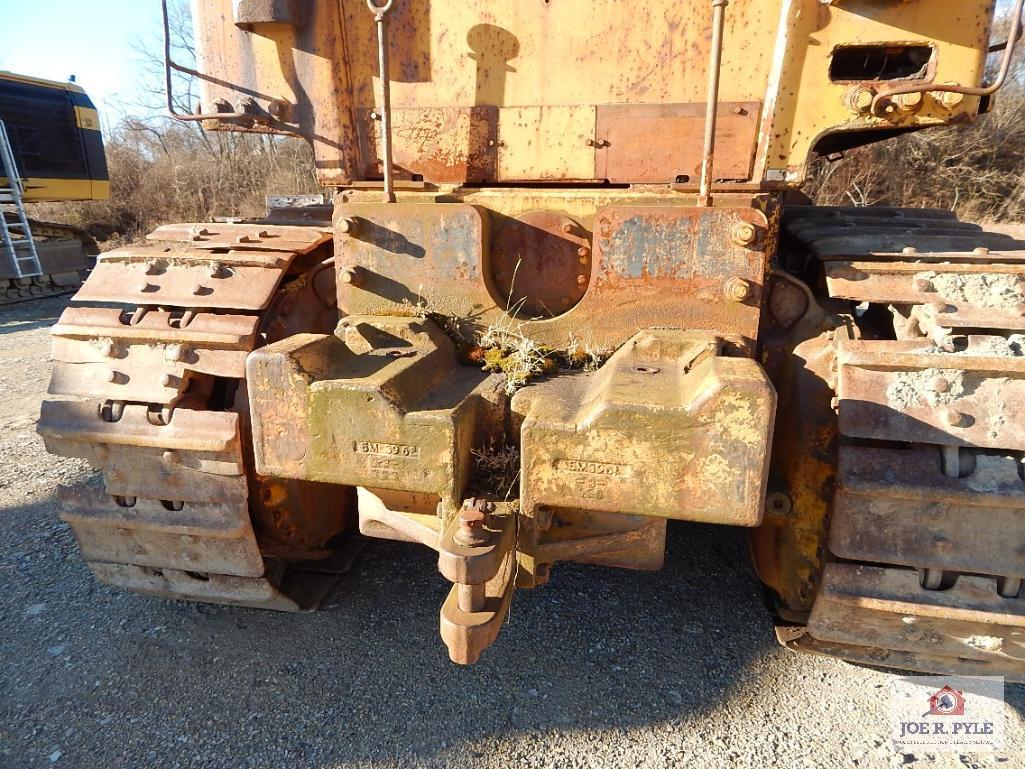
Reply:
x=51 y=150
x=566 y=293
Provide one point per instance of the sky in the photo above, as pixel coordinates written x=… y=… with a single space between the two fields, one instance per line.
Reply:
x=91 y=39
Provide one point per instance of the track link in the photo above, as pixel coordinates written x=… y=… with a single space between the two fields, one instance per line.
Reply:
x=153 y=395
x=928 y=524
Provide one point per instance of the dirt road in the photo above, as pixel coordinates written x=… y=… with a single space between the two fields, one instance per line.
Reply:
x=601 y=668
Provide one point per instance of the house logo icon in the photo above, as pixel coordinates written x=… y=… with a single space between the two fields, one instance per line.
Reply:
x=946 y=702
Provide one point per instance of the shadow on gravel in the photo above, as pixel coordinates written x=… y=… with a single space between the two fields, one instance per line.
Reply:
x=368 y=678
x=31 y=314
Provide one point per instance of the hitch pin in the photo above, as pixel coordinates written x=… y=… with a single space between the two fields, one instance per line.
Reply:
x=380 y=13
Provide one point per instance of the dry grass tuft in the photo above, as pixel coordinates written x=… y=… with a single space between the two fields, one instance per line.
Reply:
x=497 y=469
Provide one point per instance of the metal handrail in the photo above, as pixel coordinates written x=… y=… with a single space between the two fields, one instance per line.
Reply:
x=10 y=168
x=1013 y=36
x=170 y=64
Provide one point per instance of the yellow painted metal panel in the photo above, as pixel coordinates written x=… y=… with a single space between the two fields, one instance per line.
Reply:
x=546 y=143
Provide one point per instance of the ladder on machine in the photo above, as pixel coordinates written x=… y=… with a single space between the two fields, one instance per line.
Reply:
x=18 y=257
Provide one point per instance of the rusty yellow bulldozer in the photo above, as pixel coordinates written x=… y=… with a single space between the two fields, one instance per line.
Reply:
x=567 y=292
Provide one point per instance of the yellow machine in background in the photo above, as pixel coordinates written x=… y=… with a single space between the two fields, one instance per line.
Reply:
x=55 y=152
x=561 y=299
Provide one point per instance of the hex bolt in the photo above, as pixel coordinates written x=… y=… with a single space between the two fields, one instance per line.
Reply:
x=591 y=143
x=941 y=385
x=583 y=252
x=151 y=267
x=924 y=285
x=581 y=280
x=347 y=225
x=737 y=289
x=567 y=227
x=112 y=376
x=908 y=102
x=955 y=418
x=908 y=250
x=167 y=380
x=217 y=270
x=860 y=100
x=107 y=349
x=981 y=251
x=950 y=99
x=470 y=598
x=744 y=234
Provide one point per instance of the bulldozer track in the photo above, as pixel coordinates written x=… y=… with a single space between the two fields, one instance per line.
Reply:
x=66 y=252
x=926 y=557
x=152 y=393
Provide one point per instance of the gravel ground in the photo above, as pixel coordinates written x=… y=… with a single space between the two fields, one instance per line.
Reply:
x=600 y=668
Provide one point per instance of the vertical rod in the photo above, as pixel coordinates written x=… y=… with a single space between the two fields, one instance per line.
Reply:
x=380 y=13
x=712 y=104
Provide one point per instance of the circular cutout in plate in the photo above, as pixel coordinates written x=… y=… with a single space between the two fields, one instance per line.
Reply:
x=540 y=264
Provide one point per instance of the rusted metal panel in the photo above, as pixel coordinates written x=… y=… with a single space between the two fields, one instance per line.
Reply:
x=650 y=266
x=442 y=144
x=664 y=142
x=916 y=391
x=547 y=143
x=207 y=537
x=668 y=400
x=887 y=609
x=540 y=264
x=896 y=506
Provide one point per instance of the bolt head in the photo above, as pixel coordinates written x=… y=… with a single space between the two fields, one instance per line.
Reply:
x=955 y=418
x=924 y=285
x=908 y=102
x=941 y=385
x=111 y=376
x=744 y=234
x=166 y=380
x=583 y=251
x=737 y=289
x=581 y=280
x=861 y=99
x=950 y=100
x=347 y=225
